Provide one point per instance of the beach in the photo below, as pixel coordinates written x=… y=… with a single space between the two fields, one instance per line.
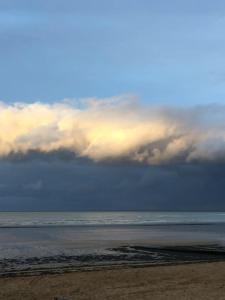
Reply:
x=186 y=281
x=106 y=255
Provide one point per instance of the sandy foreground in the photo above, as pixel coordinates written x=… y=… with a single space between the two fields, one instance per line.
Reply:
x=190 y=281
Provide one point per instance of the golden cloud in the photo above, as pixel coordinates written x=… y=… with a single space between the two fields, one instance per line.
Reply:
x=114 y=128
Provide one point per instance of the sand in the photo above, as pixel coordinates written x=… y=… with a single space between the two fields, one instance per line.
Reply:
x=191 y=281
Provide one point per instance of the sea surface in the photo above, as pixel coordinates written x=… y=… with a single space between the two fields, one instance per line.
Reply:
x=39 y=219
x=31 y=240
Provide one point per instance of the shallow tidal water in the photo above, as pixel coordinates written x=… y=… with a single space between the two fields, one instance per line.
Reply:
x=33 y=240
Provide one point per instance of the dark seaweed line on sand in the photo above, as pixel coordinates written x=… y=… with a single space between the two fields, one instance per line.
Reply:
x=90 y=268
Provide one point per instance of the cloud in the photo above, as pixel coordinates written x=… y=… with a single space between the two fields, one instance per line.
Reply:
x=113 y=129
x=40 y=185
x=35 y=186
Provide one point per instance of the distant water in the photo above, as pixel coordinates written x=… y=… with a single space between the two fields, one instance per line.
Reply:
x=47 y=219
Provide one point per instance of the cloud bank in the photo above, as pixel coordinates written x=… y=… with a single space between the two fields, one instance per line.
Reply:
x=117 y=128
x=40 y=185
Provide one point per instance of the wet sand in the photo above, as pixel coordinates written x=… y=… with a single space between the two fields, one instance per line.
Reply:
x=189 y=281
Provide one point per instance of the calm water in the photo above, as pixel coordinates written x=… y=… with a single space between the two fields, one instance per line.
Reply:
x=38 y=219
x=52 y=233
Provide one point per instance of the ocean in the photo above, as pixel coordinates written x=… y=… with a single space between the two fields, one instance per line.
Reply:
x=40 y=219
x=40 y=240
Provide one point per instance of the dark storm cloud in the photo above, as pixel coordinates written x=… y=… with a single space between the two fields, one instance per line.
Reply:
x=71 y=185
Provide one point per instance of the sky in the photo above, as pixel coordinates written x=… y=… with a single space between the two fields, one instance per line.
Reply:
x=112 y=105
x=168 y=52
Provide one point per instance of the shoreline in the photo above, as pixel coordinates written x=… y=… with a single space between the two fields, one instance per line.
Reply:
x=98 y=268
x=125 y=256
